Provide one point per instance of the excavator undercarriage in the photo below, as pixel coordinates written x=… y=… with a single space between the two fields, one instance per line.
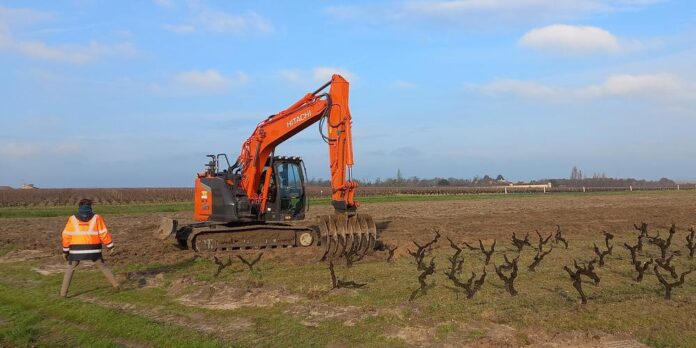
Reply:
x=334 y=235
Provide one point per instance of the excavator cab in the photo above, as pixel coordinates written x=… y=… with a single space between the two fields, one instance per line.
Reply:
x=287 y=199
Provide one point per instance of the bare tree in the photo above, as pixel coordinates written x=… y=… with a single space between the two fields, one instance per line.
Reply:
x=633 y=250
x=588 y=270
x=391 y=250
x=663 y=244
x=456 y=260
x=509 y=280
x=558 y=237
x=576 y=277
x=641 y=267
x=487 y=253
x=538 y=258
x=420 y=253
x=252 y=263
x=667 y=285
x=607 y=237
x=643 y=229
x=352 y=256
x=601 y=254
x=424 y=286
x=470 y=247
x=342 y=283
x=520 y=243
x=542 y=241
x=471 y=286
x=691 y=242
x=666 y=265
x=221 y=265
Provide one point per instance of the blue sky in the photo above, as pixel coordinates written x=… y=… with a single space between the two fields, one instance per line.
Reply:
x=124 y=94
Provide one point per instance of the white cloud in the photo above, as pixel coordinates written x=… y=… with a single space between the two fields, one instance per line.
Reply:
x=664 y=87
x=218 y=21
x=18 y=150
x=179 y=28
x=489 y=13
x=324 y=73
x=208 y=82
x=527 y=89
x=21 y=16
x=401 y=84
x=291 y=75
x=75 y=54
x=571 y=40
x=164 y=3
x=205 y=18
x=645 y=86
x=66 y=53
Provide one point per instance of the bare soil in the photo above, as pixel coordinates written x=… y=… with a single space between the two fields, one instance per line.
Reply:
x=580 y=217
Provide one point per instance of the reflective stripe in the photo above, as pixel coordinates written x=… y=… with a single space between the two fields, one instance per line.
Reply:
x=76 y=224
x=92 y=222
x=93 y=251
x=82 y=233
x=66 y=249
x=110 y=245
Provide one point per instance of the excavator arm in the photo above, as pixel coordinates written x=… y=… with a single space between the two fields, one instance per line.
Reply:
x=330 y=108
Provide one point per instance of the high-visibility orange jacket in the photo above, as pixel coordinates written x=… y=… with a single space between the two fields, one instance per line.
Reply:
x=83 y=240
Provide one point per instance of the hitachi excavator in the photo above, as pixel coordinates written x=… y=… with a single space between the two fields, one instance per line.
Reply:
x=250 y=204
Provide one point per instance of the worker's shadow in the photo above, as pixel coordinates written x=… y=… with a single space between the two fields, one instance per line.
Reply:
x=84 y=292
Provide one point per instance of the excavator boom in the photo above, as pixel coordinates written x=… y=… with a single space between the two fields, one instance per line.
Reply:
x=332 y=109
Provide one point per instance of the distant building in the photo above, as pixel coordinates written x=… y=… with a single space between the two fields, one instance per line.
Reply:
x=28 y=187
x=547 y=185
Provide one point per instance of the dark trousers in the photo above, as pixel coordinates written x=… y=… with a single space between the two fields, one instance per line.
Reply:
x=71 y=269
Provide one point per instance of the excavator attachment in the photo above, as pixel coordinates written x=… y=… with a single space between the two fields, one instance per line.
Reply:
x=343 y=235
x=166 y=228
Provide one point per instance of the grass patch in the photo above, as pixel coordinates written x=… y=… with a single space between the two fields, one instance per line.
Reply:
x=104 y=209
x=36 y=316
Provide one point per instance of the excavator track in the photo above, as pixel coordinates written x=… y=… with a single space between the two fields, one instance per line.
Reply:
x=337 y=235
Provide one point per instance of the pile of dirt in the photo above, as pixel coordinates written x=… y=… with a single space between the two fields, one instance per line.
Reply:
x=227 y=296
x=53 y=268
x=313 y=314
x=24 y=255
x=146 y=279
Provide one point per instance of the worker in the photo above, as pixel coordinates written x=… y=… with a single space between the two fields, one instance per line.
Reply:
x=83 y=238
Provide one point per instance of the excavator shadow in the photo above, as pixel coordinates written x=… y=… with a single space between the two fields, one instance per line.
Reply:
x=151 y=276
x=382 y=226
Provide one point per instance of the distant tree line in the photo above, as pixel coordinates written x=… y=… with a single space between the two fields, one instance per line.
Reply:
x=577 y=179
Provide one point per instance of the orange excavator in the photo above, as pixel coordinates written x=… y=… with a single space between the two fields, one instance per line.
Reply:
x=250 y=204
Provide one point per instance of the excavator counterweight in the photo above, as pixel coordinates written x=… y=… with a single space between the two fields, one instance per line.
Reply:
x=253 y=203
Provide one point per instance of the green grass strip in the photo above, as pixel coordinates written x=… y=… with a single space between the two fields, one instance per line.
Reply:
x=32 y=317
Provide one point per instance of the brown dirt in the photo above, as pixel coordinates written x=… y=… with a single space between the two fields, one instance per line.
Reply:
x=313 y=314
x=228 y=296
x=579 y=216
x=23 y=255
